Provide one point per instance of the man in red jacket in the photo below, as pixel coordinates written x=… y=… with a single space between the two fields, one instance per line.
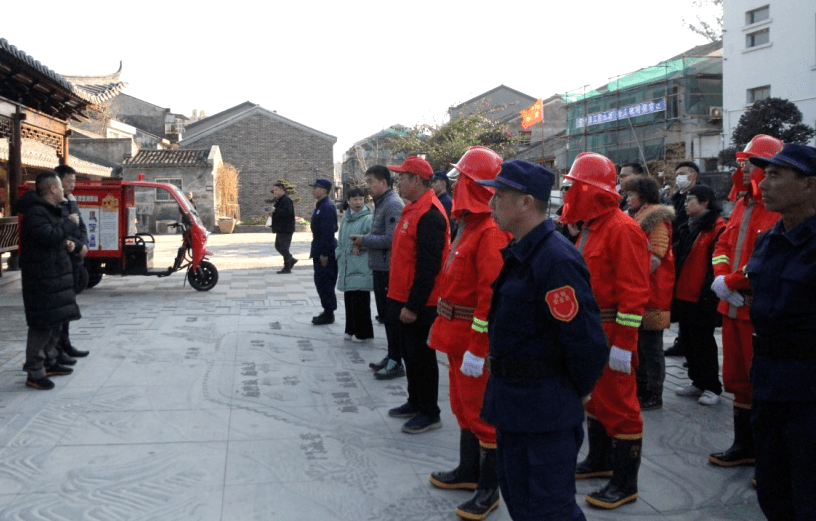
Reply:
x=617 y=255
x=420 y=241
x=731 y=253
x=460 y=329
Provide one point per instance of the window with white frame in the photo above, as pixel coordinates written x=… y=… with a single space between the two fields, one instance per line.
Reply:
x=164 y=195
x=758 y=93
x=757 y=15
x=757 y=38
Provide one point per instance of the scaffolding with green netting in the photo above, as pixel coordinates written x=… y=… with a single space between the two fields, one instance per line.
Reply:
x=638 y=116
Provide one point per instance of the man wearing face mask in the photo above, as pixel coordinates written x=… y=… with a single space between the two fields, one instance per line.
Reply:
x=685 y=177
x=734 y=248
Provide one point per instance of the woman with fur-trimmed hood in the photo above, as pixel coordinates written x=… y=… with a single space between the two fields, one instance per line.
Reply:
x=656 y=221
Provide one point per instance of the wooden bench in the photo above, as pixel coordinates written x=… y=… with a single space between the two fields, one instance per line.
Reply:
x=8 y=237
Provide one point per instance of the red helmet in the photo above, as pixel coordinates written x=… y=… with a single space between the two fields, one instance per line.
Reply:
x=596 y=170
x=479 y=163
x=761 y=146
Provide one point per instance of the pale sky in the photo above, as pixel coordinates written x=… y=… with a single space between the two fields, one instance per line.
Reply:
x=352 y=68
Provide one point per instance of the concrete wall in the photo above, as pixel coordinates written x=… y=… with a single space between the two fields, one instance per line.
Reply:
x=787 y=63
x=111 y=151
x=264 y=149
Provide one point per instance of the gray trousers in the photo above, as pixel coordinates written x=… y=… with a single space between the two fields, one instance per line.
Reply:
x=651 y=369
x=41 y=350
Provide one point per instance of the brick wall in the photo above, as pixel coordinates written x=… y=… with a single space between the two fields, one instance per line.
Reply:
x=264 y=149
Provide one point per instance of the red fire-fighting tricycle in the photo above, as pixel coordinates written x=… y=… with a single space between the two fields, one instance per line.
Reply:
x=115 y=248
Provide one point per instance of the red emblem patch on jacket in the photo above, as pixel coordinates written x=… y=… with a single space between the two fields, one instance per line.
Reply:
x=563 y=303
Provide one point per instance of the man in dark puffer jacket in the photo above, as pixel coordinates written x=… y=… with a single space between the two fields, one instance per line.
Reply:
x=48 y=277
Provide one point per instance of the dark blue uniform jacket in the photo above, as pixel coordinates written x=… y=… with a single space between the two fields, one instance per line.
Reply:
x=523 y=328
x=783 y=279
x=324 y=226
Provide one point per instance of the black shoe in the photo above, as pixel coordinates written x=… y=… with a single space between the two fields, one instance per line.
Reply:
x=58 y=370
x=43 y=383
x=405 y=410
x=286 y=269
x=650 y=402
x=379 y=319
x=388 y=373
x=323 y=319
x=421 y=423
x=64 y=359
x=74 y=352
x=376 y=366
x=675 y=350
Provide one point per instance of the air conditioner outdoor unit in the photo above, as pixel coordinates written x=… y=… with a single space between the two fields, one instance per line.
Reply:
x=715 y=112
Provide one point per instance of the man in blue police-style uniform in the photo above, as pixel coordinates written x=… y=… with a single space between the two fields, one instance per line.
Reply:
x=324 y=226
x=547 y=350
x=782 y=271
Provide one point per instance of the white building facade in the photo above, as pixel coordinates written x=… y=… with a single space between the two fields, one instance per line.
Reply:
x=769 y=50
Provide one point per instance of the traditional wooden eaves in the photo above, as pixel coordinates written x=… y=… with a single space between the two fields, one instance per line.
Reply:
x=28 y=82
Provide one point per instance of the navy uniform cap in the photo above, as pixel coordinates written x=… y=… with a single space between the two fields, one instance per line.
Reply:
x=524 y=176
x=801 y=158
x=322 y=183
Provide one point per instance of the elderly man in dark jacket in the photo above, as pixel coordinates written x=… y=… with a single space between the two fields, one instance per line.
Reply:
x=283 y=225
x=48 y=277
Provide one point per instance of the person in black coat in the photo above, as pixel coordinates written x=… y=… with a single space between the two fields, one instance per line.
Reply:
x=283 y=225
x=47 y=277
x=79 y=234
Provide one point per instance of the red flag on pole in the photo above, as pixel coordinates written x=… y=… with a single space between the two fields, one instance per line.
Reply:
x=531 y=116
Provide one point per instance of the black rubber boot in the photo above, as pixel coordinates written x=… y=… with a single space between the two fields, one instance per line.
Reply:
x=741 y=451
x=598 y=463
x=466 y=475
x=622 y=488
x=486 y=498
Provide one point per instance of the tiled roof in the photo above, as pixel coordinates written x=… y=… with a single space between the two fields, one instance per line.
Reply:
x=224 y=119
x=169 y=158
x=20 y=73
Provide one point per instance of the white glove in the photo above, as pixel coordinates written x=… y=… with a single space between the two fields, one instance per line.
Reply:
x=735 y=299
x=472 y=365
x=719 y=287
x=723 y=293
x=620 y=360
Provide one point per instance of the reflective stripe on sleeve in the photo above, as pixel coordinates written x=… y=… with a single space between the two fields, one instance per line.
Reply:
x=480 y=326
x=625 y=319
x=720 y=259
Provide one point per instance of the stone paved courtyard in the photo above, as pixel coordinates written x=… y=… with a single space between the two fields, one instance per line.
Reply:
x=231 y=405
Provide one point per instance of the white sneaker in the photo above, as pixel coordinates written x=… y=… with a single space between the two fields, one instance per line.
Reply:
x=360 y=340
x=708 y=398
x=689 y=390
x=346 y=336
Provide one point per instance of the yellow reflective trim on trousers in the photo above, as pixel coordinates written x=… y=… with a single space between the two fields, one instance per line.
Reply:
x=626 y=319
x=720 y=259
